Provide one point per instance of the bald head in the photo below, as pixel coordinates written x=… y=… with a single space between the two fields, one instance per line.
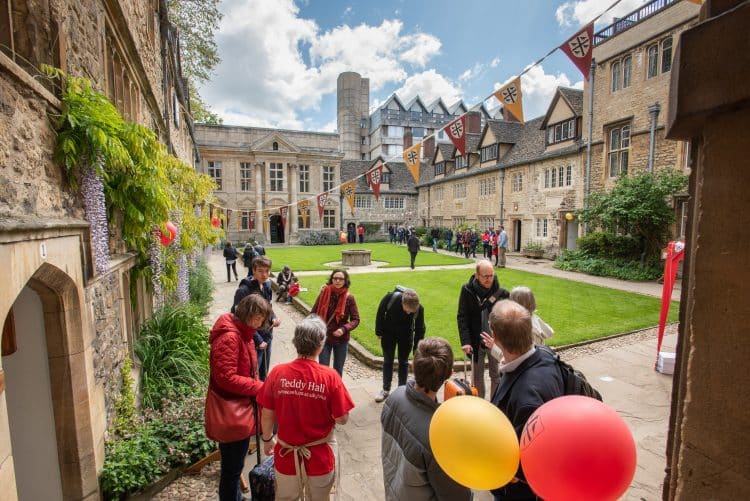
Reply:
x=485 y=273
x=511 y=325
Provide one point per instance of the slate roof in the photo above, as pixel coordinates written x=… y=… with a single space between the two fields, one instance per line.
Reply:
x=402 y=181
x=574 y=97
x=506 y=131
x=531 y=146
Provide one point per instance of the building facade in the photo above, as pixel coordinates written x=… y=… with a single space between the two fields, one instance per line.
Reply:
x=67 y=328
x=258 y=171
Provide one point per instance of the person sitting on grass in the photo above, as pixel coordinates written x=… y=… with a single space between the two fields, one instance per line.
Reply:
x=284 y=280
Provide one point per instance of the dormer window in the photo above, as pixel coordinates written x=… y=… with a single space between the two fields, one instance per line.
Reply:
x=385 y=178
x=562 y=131
x=461 y=162
x=440 y=168
x=489 y=153
x=275 y=146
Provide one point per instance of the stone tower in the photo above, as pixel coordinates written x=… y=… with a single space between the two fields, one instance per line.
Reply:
x=352 y=114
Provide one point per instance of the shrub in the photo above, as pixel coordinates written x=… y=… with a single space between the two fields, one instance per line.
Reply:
x=533 y=246
x=624 y=269
x=372 y=230
x=201 y=286
x=318 y=238
x=131 y=463
x=609 y=245
x=173 y=350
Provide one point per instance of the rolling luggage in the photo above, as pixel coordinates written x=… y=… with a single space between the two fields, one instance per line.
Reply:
x=457 y=386
x=262 y=486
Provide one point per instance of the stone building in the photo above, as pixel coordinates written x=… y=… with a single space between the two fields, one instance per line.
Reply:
x=258 y=171
x=66 y=327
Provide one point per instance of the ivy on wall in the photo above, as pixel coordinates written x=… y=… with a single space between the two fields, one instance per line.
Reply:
x=142 y=183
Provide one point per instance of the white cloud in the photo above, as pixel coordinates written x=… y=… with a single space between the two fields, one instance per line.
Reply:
x=429 y=85
x=577 y=13
x=538 y=88
x=495 y=62
x=471 y=72
x=265 y=78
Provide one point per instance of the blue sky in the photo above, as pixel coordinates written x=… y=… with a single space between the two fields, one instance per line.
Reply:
x=280 y=58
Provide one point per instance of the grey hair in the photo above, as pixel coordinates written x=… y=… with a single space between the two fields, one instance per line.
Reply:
x=410 y=299
x=524 y=297
x=309 y=335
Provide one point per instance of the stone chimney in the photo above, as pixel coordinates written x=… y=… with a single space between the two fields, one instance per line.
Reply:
x=428 y=146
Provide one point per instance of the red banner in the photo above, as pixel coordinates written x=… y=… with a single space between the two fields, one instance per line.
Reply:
x=322 y=199
x=579 y=49
x=374 y=178
x=675 y=254
x=252 y=220
x=456 y=131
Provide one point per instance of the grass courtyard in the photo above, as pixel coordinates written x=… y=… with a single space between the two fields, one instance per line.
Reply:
x=576 y=311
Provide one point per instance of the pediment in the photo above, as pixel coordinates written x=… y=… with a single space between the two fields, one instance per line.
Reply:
x=266 y=144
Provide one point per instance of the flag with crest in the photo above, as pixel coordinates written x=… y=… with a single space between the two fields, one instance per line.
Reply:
x=303 y=206
x=252 y=220
x=456 y=131
x=347 y=189
x=266 y=217
x=322 y=199
x=375 y=177
x=284 y=211
x=511 y=98
x=412 y=158
x=579 y=49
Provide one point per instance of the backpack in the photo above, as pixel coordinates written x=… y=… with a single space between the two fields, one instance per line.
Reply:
x=396 y=294
x=574 y=382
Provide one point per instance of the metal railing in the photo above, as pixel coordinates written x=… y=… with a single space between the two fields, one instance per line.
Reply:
x=624 y=23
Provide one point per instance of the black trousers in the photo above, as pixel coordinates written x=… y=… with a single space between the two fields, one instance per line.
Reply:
x=389 y=345
x=413 y=257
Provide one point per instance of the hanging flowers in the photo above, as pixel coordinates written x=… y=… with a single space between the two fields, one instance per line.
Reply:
x=94 y=204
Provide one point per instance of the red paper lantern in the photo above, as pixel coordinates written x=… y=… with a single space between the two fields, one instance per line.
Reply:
x=215 y=222
x=168 y=238
x=575 y=448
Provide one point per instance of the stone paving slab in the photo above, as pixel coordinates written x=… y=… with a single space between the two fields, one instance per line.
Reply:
x=621 y=368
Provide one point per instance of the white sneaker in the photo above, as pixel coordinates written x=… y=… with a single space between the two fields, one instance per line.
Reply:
x=382 y=396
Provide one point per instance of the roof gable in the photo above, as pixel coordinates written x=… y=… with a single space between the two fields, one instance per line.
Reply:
x=438 y=106
x=266 y=143
x=458 y=108
x=393 y=103
x=572 y=99
x=416 y=104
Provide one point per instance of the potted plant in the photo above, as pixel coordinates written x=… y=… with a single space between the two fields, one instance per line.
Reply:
x=533 y=249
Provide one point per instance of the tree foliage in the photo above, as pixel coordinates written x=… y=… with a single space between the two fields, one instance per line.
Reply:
x=197 y=21
x=638 y=206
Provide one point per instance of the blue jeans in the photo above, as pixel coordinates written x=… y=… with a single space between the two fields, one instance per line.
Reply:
x=339 y=356
x=264 y=360
x=233 y=456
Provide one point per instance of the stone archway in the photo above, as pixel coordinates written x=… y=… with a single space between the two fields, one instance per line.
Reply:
x=68 y=385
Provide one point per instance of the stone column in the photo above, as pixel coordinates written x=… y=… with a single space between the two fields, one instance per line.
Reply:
x=292 y=215
x=259 y=167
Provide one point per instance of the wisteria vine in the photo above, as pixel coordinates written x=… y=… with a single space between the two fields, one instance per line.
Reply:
x=95 y=206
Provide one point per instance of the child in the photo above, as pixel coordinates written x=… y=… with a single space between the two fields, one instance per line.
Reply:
x=284 y=280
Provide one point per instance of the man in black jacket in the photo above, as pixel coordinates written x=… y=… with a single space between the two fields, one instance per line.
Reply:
x=531 y=377
x=399 y=323
x=413 y=245
x=477 y=298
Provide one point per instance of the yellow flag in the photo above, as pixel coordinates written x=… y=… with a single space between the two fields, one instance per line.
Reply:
x=510 y=96
x=411 y=159
x=265 y=216
x=347 y=189
x=304 y=210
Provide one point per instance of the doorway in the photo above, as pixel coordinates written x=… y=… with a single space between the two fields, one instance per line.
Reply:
x=351 y=233
x=571 y=234
x=516 y=235
x=277 y=229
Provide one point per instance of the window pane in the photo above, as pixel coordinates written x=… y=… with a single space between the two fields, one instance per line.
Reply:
x=558 y=132
x=614 y=139
x=626 y=69
x=560 y=176
x=624 y=162
x=569 y=176
x=666 y=55
x=613 y=164
x=546 y=178
x=551 y=135
x=653 y=56
x=625 y=137
x=615 y=76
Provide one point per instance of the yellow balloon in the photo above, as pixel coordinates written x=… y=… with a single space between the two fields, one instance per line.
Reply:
x=474 y=443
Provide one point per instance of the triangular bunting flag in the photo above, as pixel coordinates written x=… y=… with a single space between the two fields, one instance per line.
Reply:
x=304 y=210
x=510 y=97
x=579 y=49
x=239 y=220
x=266 y=218
x=252 y=220
x=374 y=177
x=283 y=212
x=412 y=158
x=348 y=190
x=456 y=131
x=322 y=199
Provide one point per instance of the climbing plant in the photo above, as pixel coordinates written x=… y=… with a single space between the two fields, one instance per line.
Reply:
x=142 y=183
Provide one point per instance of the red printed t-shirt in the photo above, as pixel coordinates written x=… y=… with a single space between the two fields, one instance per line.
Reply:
x=306 y=398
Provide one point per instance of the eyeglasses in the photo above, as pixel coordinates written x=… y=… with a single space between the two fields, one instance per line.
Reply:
x=487 y=276
x=338 y=278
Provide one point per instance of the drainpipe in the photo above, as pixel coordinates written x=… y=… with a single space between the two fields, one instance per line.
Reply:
x=588 y=140
x=502 y=197
x=653 y=110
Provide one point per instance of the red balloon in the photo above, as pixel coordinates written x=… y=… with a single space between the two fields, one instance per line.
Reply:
x=575 y=448
x=215 y=222
x=168 y=238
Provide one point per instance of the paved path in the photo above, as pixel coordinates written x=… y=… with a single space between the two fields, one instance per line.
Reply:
x=622 y=369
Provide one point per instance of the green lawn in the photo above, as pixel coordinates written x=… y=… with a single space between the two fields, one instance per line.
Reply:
x=306 y=258
x=576 y=311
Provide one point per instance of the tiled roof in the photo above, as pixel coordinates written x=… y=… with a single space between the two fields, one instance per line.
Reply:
x=446 y=149
x=506 y=131
x=401 y=179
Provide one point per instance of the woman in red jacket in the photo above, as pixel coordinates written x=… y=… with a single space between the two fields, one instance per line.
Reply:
x=338 y=309
x=234 y=374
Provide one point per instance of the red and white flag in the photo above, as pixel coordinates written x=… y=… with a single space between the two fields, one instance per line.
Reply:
x=252 y=220
x=374 y=178
x=322 y=199
x=456 y=131
x=579 y=49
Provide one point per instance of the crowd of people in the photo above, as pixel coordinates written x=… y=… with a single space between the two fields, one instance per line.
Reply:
x=302 y=401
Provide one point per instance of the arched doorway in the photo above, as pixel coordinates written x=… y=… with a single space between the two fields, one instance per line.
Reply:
x=277 y=229
x=46 y=392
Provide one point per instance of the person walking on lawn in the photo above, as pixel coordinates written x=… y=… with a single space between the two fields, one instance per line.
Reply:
x=413 y=245
x=399 y=323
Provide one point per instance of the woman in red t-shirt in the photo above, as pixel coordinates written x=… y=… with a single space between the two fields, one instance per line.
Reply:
x=305 y=400
x=338 y=309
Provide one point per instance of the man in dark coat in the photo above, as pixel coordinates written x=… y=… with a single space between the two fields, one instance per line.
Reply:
x=413 y=245
x=477 y=298
x=259 y=284
x=399 y=323
x=531 y=377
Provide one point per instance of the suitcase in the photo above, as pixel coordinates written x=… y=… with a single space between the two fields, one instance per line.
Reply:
x=457 y=386
x=261 y=477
